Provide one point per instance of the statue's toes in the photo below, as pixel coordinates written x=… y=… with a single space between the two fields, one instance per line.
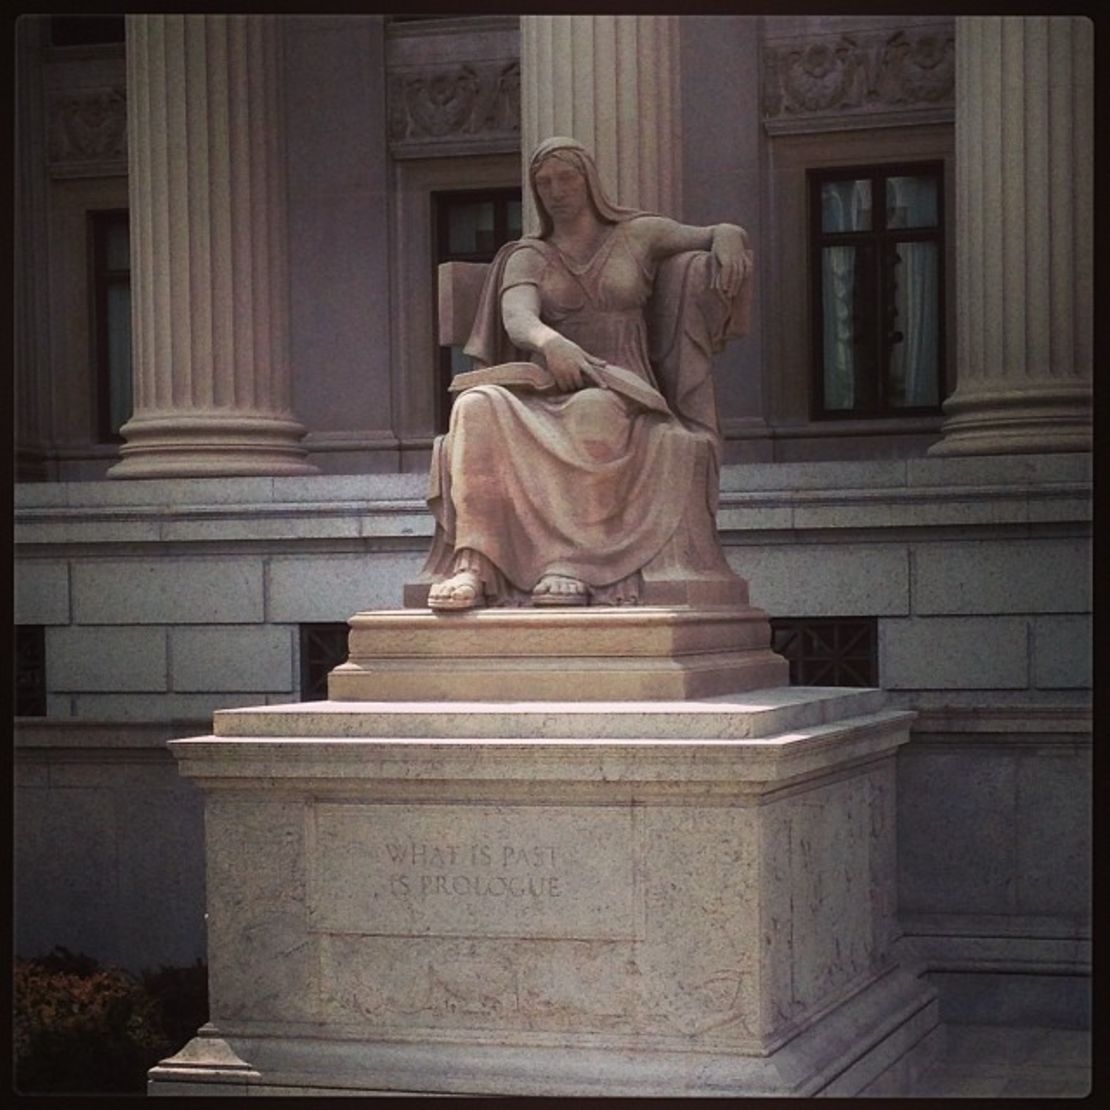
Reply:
x=558 y=589
x=461 y=591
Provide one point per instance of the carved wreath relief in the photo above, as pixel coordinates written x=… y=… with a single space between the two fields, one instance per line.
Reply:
x=471 y=99
x=89 y=127
x=859 y=71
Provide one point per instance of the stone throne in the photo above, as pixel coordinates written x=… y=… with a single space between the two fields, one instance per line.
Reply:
x=694 y=632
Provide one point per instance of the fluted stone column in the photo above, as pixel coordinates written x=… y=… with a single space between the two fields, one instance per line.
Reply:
x=610 y=81
x=209 y=268
x=1024 y=152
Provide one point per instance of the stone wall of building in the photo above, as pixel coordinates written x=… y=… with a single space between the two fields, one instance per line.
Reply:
x=164 y=600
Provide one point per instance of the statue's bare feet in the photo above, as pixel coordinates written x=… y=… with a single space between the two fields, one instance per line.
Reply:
x=463 y=590
x=558 y=589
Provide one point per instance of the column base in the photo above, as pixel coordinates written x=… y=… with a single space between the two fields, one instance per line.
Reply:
x=211 y=445
x=1046 y=419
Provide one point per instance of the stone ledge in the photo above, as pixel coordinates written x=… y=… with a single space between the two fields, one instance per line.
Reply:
x=742 y=514
x=760 y=497
x=754 y=715
x=349 y=748
x=1009 y=953
x=1014 y=720
x=91 y=737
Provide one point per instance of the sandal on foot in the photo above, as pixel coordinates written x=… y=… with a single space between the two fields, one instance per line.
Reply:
x=462 y=580
x=577 y=596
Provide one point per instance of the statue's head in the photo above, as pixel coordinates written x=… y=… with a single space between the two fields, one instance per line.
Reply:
x=573 y=153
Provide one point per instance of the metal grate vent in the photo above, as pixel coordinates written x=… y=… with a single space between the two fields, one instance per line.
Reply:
x=323 y=647
x=828 y=651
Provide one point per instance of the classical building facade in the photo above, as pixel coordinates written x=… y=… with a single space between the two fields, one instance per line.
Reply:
x=228 y=383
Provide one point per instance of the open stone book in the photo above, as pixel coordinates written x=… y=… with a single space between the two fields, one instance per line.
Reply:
x=531 y=375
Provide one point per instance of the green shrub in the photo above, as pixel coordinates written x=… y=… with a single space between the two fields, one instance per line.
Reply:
x=83 y=1027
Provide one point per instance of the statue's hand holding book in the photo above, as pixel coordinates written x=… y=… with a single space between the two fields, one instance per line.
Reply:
x=531 y=375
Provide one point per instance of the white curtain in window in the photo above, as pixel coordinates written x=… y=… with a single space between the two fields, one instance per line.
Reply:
x=912 y=202
x=838 y=281
x=845 y=206
x=914 y=360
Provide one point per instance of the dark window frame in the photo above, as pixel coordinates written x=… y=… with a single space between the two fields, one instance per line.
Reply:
x=882 y=239
x=100 y=280
x=441 y=202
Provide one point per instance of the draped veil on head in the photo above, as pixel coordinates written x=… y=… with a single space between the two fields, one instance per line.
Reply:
x=488 y=343
x=575 y=154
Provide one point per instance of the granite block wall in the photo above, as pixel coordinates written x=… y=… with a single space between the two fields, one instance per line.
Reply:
x=165 y=600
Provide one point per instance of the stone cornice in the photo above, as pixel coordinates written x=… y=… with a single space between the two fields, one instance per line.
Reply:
x=756 y=499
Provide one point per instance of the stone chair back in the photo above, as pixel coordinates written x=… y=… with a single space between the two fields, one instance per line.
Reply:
x=460 y=286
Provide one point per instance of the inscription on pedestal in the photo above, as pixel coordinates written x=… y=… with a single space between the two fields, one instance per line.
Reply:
x=400 y=870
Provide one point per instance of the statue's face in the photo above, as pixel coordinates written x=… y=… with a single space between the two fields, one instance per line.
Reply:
x=562 y=189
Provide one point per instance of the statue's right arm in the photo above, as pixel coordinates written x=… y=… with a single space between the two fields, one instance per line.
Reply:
x=520 y=313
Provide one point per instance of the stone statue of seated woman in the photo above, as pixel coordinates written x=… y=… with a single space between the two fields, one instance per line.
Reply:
x=599 y=486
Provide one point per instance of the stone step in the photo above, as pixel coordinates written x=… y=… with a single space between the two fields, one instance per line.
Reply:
x=738 y=716
x=635 y=653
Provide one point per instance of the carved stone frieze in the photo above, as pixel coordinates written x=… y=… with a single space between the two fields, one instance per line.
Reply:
x=858 y=78
x=471 y=106
x=88 y=132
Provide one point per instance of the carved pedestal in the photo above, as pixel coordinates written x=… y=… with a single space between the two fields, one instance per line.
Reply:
x=552 y=898
x=642 y=652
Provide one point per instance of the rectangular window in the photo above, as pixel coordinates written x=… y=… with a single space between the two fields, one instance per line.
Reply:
x=877 y=288
x=30 y=670
x=828 y=651
x=111 y=316
x=470 y=227
x=323 y=648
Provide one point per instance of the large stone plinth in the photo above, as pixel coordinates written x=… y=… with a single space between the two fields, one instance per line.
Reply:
x=642 y=652
x=554 y=898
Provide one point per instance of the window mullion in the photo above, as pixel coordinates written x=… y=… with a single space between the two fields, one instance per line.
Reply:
x=885 y=253
x=884 y=276
x=101 y=347
x=817 y=403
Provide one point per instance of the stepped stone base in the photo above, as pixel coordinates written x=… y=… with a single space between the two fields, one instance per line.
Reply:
x=636 y=653
x=552 y=898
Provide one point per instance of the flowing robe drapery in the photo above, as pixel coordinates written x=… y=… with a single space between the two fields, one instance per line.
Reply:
x=586 y=484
